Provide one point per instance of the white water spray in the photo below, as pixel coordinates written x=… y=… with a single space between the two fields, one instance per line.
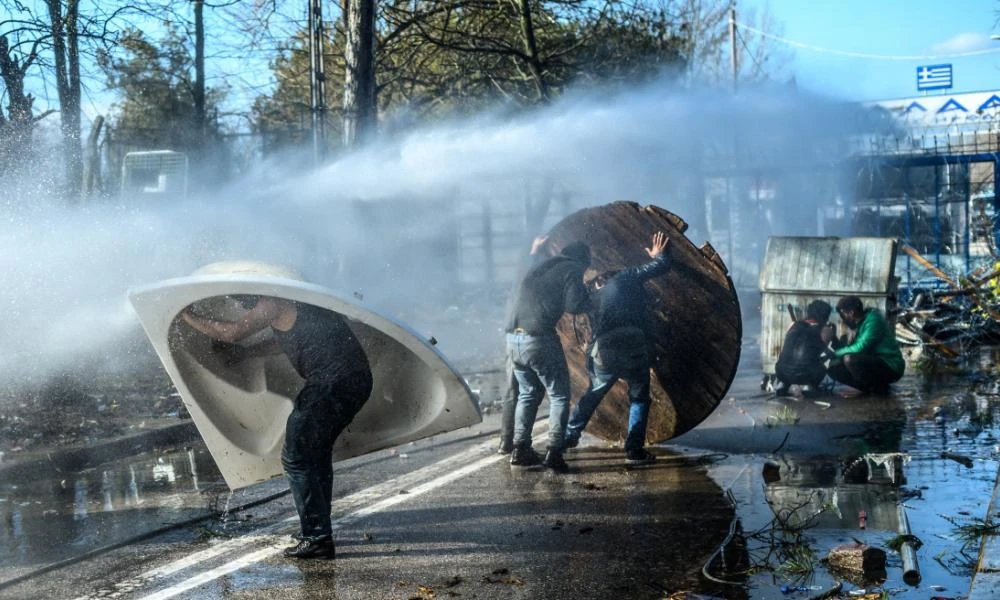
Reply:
x=65 y=270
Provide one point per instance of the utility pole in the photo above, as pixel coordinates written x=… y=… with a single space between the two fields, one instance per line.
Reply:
x=732 y=44
x=317 y=80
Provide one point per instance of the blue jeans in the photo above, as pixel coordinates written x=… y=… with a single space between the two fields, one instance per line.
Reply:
x=322 y=411
x=539 y=367
x=637 y=378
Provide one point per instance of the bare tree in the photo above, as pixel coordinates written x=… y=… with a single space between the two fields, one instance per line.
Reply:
x=64 y=33
x=525 y=51
x=17 y=125
x=707 y=43
x=61 y=37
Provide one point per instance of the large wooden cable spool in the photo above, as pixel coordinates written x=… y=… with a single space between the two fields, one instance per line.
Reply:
x=695 y=328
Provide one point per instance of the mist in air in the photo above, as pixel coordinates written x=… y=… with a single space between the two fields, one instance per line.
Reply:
x=66 y=269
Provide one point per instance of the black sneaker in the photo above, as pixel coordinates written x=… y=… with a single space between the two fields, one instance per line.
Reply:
x=505 y=447
x=524 y=456
x=311 y=549
x=554 y=460
x=639 y=457
x=571 y=442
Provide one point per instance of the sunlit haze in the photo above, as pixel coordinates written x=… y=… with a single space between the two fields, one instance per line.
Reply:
x=66 y=269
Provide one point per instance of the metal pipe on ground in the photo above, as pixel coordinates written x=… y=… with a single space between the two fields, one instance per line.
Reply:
x=911 y=572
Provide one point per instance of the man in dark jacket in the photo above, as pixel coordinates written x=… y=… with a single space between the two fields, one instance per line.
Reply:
x=803 y=353
x=549 y=289
x=508 y=402
x=872 y=360
x=619 y=350
x=338 y=380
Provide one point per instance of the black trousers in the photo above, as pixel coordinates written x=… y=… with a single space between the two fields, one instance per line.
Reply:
x=862 y=371
x=800 y=374
x=322 y=411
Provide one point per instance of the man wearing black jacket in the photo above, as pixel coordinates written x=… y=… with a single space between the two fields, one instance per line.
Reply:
x=549 y=289
x=508 y=402
x=619 y=350
x=803 y=353
x=322 y=347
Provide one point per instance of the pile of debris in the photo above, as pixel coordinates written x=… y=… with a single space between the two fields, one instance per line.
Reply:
x=70 y=410
x=947 y=322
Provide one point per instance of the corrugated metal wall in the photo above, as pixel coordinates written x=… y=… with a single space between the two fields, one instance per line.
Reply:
x=798 y=270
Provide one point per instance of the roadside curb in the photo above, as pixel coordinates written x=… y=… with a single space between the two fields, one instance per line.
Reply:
x=82 y=456
x=986 y=578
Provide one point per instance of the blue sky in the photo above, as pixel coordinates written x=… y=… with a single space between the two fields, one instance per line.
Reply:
x=886 y=28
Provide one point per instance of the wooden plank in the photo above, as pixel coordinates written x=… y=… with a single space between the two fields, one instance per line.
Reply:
x=696 y=329
x=986 y=579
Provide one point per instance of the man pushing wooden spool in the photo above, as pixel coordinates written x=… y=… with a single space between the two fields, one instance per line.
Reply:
x=694 y=327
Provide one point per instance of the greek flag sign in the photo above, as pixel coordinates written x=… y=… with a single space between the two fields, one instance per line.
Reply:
x=933 y=77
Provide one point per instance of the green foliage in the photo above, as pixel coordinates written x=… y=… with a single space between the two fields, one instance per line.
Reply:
x=285 y=116
x=156 y=84
x=798 y=560
x=971 y=530
x=783 y=416
x=445 y=57
x=437 y=59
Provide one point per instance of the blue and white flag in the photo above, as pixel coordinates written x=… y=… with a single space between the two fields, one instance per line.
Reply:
x=933 y=77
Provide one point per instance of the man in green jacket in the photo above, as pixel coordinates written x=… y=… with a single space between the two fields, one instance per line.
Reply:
x=872 y=360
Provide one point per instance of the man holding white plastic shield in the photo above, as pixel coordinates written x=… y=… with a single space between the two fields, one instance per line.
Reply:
x=338 y=380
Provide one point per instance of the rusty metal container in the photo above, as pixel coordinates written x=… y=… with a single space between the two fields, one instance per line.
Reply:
x=798 y=270
x=696 y=327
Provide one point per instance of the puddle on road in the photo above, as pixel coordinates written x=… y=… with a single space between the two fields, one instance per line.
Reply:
x=54 y=518
x=793 y=507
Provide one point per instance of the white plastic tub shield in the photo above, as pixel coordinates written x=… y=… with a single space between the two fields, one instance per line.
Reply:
x=240 y=410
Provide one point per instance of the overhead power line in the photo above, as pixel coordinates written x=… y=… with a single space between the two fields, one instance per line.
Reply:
x=851 y=54
x=749 y=51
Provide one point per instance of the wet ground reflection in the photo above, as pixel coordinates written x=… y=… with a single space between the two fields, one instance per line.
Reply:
x=937 y=458
x=57 y=517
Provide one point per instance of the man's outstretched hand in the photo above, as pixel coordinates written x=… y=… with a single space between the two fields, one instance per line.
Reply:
x=660 y=241
x=537 y=243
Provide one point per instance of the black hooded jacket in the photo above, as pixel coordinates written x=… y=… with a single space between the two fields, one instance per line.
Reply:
x=623 y=301
x=549 y=289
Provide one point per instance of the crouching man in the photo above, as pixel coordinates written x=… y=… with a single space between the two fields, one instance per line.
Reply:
x=803 y=355
x=872 y=361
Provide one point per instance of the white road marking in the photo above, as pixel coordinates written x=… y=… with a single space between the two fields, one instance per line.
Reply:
x=275 y=548
x=360 y=504
x=344 y=505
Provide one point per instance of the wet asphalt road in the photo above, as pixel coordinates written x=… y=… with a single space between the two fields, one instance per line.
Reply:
x=445 y=517
x=449 y=518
